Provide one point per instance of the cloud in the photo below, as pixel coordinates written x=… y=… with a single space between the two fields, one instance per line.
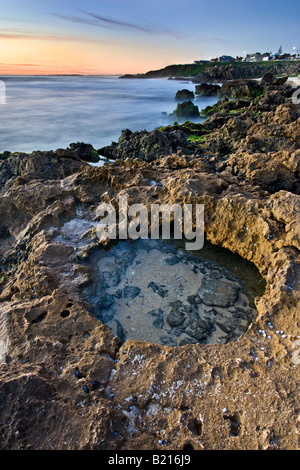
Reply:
x=75 y=19
x=103 y=21
x=21 y=65
x=22 y=34
x=108 y=23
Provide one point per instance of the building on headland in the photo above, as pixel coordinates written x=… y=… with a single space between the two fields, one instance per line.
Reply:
x=258 y=57
x=280 y=55
x=226 y=58
x=255 y=57
x=222 y=58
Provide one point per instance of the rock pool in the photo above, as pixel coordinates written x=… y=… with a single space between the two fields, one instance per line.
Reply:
x=155 y=291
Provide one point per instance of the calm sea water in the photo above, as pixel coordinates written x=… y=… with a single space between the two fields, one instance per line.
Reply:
x=45 y=113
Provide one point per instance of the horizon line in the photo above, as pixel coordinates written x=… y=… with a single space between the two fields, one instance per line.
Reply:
x=60 y=74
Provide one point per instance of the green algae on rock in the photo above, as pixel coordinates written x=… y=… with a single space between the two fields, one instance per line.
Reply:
x=186 y=110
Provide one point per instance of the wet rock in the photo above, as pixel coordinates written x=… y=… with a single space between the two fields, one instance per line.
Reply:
x=241 y=89
x=120 y=331
x=218 y=292
x=105 y=315
x=183 y=95
x=186 y=110
x=198 y=330
x=143 y=145
x=159 y=320
x=131 y=292
x=207 y=89
x=194 y=299
x=167 y=341
x=85 y=152
x=160 y=290
x=173 y=260
x=118 y=294
x=111 y=279
x=106 y=300
x=223 y=327
x=67 y=153
x=186 y=341
x=175 y=316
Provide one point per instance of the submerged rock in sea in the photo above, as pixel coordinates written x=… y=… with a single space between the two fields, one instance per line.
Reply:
x=207 y=89
x=186 y=110
x=184 y=95
x=85 y=152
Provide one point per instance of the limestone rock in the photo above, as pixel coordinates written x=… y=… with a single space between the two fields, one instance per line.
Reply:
x=68 y=382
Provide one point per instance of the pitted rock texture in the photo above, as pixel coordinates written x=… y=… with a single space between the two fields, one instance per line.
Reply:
x=69 y=383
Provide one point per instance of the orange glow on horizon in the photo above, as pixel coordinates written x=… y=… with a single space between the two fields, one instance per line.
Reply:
x=16 y=69
x=57 y=56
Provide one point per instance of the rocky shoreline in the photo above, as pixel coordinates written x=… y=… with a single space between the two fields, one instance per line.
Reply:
x=68 y=382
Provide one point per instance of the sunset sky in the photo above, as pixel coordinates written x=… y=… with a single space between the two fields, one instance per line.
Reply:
x=130 y=36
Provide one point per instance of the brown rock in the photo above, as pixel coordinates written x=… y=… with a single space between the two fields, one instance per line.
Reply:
x=66 y=153
x=68 y=383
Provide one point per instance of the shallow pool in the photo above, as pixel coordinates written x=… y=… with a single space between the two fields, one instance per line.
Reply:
x=155 y=291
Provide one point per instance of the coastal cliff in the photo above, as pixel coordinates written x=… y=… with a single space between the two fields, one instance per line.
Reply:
x=212 y=72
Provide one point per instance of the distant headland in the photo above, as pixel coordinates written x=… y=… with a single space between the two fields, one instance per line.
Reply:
x=228 y=68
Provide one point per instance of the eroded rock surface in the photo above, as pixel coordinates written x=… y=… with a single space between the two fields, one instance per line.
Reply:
x=69 y=383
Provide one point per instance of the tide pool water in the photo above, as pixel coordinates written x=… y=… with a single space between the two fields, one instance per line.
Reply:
x=155 y=291
x=49 y=112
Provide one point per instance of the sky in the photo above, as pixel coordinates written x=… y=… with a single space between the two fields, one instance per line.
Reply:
x=135 y=36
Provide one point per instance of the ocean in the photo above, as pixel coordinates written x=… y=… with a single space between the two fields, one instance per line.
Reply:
x=50 y=112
